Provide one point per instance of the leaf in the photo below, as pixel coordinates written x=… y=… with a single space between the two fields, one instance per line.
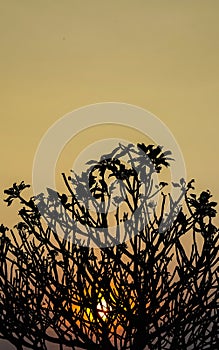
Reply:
x=167 y=153
x=182 y=181
x=92 y=162
x=9 y=191
x=204 y=196
x=213 y=204
x=175 y=184
x=52 y=193
x=64 y=198
x=162 y=183
x=22 y=186
x=190 y=184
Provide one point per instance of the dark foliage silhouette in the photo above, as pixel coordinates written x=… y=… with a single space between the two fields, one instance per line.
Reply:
x=151 y=284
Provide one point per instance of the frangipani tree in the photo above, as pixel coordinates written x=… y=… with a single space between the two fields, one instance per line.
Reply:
x=104 y=266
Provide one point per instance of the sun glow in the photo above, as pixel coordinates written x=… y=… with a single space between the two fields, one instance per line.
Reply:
x=103 y=309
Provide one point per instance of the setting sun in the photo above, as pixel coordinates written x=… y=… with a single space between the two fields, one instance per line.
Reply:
x=103 y=309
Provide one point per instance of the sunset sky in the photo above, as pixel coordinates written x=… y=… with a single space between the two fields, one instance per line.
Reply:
x=57 y=56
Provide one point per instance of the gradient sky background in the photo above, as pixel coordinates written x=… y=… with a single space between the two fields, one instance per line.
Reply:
x=57 y=56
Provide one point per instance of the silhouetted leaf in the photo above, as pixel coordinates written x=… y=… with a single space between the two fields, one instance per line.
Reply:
x=175 y=184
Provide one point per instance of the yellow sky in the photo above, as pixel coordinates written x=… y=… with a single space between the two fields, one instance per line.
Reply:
x=57 y=56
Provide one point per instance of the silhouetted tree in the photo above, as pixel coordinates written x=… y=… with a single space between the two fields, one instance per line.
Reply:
x=105 y=266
